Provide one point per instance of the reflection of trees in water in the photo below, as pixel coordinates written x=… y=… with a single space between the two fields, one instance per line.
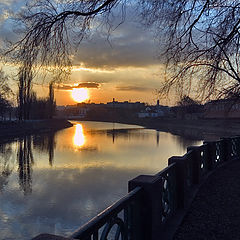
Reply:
x=6 y=165
x=126 y=134
x=25 y=162
x=182 y=138
x=46 y=143
x=25 y=157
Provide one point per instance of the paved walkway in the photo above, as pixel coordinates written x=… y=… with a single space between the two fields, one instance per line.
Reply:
x=215 y=212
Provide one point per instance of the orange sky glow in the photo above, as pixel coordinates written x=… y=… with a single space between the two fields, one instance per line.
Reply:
x=124 y=66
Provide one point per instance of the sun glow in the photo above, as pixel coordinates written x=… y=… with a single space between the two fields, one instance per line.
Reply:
x=80 y=94
x=79 y=138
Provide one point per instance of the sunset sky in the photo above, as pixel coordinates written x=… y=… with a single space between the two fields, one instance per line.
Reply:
x=124 y=67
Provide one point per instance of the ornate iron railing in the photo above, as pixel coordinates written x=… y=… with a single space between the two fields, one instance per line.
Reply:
x=154 y=200
x=118 y=215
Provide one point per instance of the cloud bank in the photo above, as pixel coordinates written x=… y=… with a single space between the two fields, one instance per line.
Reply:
x=80 y=85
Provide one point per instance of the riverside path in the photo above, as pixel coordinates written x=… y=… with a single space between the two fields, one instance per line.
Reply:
x=215 y=211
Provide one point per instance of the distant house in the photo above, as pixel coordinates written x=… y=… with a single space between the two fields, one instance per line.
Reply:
x=149 y=113
x=154 y=111
x=222 y=108
x=82 y=112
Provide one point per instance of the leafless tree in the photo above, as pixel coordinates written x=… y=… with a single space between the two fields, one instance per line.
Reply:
x=5 y=95
x=202 y=45
x=48 y=28
x=25 y=77
x=5 y=90
x=51 y=101
x=200 y=38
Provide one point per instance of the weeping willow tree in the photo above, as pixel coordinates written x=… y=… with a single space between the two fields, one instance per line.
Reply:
x=199 y=38
x=50 y=29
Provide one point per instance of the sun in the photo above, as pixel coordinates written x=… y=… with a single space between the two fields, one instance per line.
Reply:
x=80 y=94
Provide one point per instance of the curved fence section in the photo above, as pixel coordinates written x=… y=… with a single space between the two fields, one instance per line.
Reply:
x=154 y=202
x=115 y=222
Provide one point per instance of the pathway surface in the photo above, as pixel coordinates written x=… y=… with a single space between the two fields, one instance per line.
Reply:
x=215 y=211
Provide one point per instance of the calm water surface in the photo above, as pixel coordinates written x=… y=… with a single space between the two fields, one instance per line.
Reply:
x=56 y=182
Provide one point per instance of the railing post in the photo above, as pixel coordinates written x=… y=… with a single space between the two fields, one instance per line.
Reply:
x=226 y=149
x=238 y=146
x=196 y=163
x=150 y=203
x=210 y=153
x=180 y=180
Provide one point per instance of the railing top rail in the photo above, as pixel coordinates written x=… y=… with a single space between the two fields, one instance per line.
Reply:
x=99 y=221
x=187 y=154
x=165 y=169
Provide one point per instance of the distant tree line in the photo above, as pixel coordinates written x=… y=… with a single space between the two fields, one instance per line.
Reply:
x=5 y=94
x=29 y=106
x=187 y=105
x=41 y=108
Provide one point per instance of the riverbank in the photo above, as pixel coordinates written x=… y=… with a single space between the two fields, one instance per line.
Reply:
x=207 y=129
x=13 y=129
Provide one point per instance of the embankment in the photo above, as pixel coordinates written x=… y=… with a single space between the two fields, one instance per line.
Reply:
x=13 y=129
x=208 y=129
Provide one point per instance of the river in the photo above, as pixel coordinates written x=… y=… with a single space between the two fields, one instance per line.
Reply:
x=55 y=182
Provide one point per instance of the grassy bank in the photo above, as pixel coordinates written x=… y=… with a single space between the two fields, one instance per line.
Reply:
x=12 y=129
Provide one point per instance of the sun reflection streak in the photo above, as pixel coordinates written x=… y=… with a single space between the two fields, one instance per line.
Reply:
x=78 y=138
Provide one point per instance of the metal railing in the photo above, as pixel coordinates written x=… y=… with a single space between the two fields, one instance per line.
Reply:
x=154 y=200
x=120 y=215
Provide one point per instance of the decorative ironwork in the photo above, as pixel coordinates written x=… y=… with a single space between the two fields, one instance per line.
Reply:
x=165 y=198
x=217 y=152
x=119 y=214
x=203 y=159
x=233 y=143
x=119 y=232
x=168 y=192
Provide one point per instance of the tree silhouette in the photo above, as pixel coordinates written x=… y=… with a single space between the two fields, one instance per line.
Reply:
x=201 y=44
x=51 y=102
x=46 y=27
x=5 y=94
x=187 y=101
x=199 y=38
x=25 y=77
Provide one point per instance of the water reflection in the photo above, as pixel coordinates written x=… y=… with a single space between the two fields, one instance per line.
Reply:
x=45 y=143
x=20 y=153
x=78 y=138
x=6 y=167
x=72 y=186
x=25 y=162
x=131 y=144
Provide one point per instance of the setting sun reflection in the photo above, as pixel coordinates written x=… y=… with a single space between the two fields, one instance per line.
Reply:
x=78 y=138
